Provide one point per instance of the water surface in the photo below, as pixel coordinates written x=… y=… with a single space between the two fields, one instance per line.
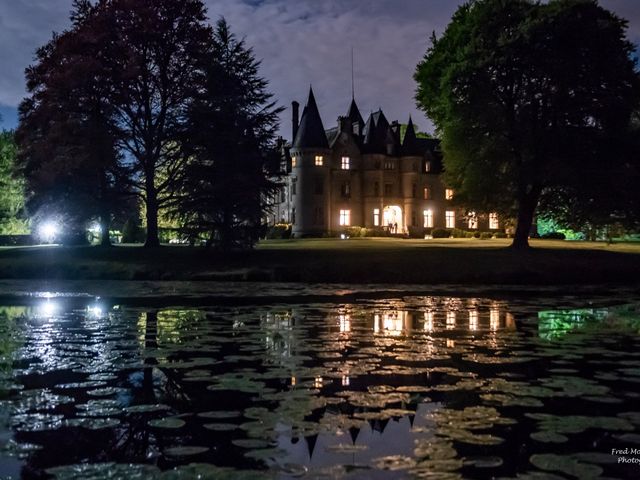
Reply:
x=414 y=387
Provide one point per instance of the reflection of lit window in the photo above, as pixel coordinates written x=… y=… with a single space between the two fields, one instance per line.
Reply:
x=473 y=320
x=317 y=382
x=393 y=322
x=376 y=217
x=494 y=319
x=451 y=319
x=345 y=323
x=293 y=381
x=450 y=343
x=428 y=321
x=494 y=224
x=473 y=220
x=346 y=164
x=319 y=160
x=345 y=217
x=376 y=323
x=345 y=380
x=450 y=217
x=448 y=193
x=428 y=219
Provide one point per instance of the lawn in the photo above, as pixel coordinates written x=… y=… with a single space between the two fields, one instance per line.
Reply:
x=358 y=260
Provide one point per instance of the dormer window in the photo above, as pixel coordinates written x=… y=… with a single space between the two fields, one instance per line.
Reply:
x=319 y=160
x=346 y=163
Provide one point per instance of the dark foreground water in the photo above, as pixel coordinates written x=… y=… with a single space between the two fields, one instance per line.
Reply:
x=422 y=387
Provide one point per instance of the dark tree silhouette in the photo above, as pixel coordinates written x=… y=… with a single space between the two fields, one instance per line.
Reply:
x=231 y=147
x=67 y=151
x=530 y=99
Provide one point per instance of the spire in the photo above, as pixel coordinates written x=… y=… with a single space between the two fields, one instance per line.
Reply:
x=410 y=142
x=310 y=131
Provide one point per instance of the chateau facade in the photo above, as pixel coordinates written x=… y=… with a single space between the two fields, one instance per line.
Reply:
x=365 y=174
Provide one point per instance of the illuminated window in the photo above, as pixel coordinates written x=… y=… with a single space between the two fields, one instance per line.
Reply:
x=345 y=218
x=427 y=166
x=448 y=194
x=389 y=165
x=319 y=160
x=346 y=163
x=494 y=224
x=450 y=217
x=294 y=161
x=428 y=219
x=426 y=193
x=473 y=220
x=376 y=217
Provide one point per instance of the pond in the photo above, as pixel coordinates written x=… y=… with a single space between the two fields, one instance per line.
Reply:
x=410 y=387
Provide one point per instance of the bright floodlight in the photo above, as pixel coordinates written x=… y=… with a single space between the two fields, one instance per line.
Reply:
x=48 y=231
x=48 y=308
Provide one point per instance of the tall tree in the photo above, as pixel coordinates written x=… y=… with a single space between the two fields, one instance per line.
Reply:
x=163 y=43
x=12 y=219
x=141 y=60
x=529 y=98
x=67 y=149
x=231 y=145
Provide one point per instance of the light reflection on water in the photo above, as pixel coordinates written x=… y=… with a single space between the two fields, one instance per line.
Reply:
x=425 y=386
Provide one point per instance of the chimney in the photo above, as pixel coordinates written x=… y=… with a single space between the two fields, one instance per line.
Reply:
x=294 y=120
x=343 y=125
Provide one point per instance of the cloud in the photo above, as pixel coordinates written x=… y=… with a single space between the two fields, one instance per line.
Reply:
x=300 y=42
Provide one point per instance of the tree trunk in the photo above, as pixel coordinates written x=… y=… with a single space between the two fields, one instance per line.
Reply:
x=526 y=210
x=105 y=240
x=152 y=216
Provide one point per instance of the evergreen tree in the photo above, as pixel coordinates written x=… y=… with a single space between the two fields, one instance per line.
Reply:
x=232 y=152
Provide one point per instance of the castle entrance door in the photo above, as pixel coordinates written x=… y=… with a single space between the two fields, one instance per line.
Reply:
x=392 y=219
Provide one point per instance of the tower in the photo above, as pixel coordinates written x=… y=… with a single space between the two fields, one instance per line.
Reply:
x=311 y=161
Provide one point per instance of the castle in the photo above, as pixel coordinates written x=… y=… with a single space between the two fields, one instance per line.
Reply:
x=365 y=174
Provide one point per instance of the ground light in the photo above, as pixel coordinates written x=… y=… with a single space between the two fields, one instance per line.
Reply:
x=48 y=231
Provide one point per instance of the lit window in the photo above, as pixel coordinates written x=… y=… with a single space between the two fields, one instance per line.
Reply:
x=376 y=217
x=427 y=166
x=319 y=160
x=345 y=218
x=448 y=193
x=428 y=219
x=494 y=224
x=345 y=163
x=294 y=161
x=473 y=220
x=450 y=217
x=389 y=165
x=426 y=193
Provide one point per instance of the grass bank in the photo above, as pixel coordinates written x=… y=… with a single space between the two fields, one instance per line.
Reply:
x=461 y=261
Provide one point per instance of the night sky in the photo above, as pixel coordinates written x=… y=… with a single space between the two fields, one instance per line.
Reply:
x=300 y=42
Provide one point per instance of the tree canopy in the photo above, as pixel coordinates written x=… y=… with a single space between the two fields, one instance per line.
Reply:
x=12 y=219
x=120 y=101
x=532 y=99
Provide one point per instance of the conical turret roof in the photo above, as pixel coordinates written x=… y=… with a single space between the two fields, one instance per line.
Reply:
x=311 y=131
